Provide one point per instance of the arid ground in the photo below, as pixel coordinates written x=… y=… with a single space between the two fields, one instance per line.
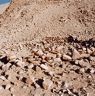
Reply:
x=47 y=48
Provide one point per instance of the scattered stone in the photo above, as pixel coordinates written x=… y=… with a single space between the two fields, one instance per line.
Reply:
x=50 y=68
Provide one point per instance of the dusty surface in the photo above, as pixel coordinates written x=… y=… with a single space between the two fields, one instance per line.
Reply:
x=36 y=57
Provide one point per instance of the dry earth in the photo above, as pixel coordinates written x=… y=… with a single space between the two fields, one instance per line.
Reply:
x=47 y=48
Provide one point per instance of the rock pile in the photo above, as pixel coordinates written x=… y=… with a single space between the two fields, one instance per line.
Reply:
x=66 y=69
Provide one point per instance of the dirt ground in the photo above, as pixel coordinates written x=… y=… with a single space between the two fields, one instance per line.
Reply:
x=47 y=48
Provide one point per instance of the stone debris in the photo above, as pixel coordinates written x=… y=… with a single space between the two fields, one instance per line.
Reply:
x=59 y=70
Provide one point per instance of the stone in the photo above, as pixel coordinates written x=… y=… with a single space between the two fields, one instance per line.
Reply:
x=76 y=62
x=2 y=54
x=20 y=63
x=30 y=66
x=34 y=49
x=89 y=51
x=51 y=55
x=47 y=84
x=66 y=57
x=43 y=66
x=2 y=78
x=82 y=70
x=75 y=54
x=57 y=60
x=92 y=71
x=1 y=88
x=8 y=86
x=59 y=48
x=40 y=52
x=92 y=58
x=84 y=56
x=11 y=57
x=84 y=64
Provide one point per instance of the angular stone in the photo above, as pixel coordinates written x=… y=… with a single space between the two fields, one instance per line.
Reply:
x=2 y=78
x=47 y=84
x=66 y=57
x=8 y=86
x=75 y=54
x=45 y=67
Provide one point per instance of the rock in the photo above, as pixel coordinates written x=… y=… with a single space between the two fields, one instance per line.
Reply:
x=47 y=84
x=93 y=53
x=89 y=51
x=29 y=81
x=2 y=54
x=59 y=48
x=8 y=65
x=11 y=57
x=2 y=78
x=8 y=86
x=82 y=70
x=92 y=58
x=51 y=73
x=45 y=67
x=30 y=66
x=40 y=52
x=57 y=60
x=84 y=64
x=84 y=56
x=51 y=55
x=21 y=63
x=76 y=62
x=75 y=54
x=1 y=88
x=92 y=71
x=38 y=92
x=35 y=49
x=66 y=57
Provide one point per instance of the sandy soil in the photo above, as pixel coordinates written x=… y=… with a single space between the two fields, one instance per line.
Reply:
x=26 y=24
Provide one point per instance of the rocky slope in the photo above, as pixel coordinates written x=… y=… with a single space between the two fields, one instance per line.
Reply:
x=63 y=67
x=48 y=48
